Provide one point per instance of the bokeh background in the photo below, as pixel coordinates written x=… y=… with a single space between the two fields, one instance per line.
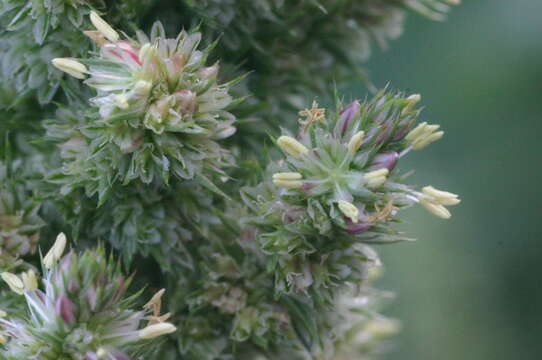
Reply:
x=471 y=287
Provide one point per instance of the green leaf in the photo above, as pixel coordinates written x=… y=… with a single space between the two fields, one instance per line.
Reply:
x=41 y=28
x=209 y=185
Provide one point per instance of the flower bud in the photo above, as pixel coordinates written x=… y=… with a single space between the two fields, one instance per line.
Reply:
x=102 y=26
x=55 y=253
x=386 y=160
x=376 y=178
x=347 y=115
x=70 y=66
x=412 y=101
x=29 y=280
x=423 y=142
x=65 y=308
x=422 y=135
x=291 y=146
x=355 y=142
x=288 y=180
x=156 y=330
x=357 y=228
x=433 y=200
x=441 y=197
x=14 y=283
x=417 y=131
x=349 y=210
x=436 y=209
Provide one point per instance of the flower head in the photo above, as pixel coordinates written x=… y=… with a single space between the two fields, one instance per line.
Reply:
x=159 y=108
x=343 y=190
x=82 y=311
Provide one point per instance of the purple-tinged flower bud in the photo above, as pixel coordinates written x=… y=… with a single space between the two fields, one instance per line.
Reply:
x=386 y=160
x=352 y=228
x=65 y=309
x=347 y=115
x=384 y=135
x=371 y=133
x=401 y=133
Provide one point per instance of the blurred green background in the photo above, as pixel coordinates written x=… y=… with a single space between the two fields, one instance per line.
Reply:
x=470 y=287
